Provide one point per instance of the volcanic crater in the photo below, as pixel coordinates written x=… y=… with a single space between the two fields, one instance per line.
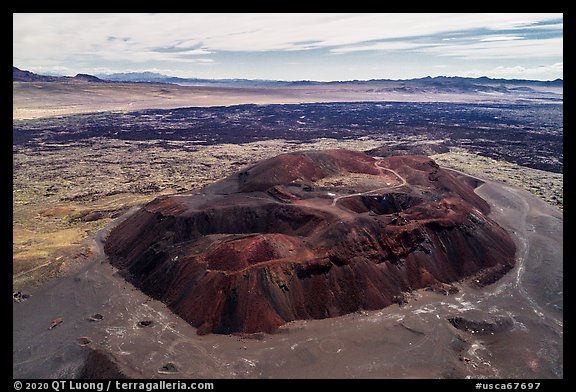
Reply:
x=309 y=235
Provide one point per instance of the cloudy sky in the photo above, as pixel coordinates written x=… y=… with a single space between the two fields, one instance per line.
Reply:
x=293 y=46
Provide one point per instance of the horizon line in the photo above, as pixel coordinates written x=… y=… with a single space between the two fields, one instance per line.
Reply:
x=293 y=80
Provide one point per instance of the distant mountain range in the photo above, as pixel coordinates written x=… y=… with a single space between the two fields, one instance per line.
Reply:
x=409 y=85
x=153 y=77
x=19 y=75
x=445 y=81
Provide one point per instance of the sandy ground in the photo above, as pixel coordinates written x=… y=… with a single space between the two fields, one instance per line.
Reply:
x=37 y=100
x=412 y=341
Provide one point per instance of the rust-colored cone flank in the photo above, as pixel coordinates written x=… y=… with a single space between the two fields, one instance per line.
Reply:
x=308 y=235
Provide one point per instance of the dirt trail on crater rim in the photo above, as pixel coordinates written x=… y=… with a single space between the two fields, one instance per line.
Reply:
x=512 y=328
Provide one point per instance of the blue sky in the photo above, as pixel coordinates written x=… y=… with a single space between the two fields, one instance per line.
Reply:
x=283 y=46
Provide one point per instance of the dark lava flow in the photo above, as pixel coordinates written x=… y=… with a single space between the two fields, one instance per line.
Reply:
x=310 y=235
x=523 y=133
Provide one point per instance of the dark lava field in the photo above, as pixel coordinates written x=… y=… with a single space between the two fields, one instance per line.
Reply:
x=523 y=133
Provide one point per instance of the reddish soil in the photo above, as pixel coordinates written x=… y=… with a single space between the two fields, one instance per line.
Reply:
x=267 y=246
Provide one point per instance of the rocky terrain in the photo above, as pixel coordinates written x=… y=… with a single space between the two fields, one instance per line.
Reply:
x=523 y=133
x=75 y=177
x=91 y=322
x=135 y=156
x=56 y=205
x=545 y=185
x=271 y=244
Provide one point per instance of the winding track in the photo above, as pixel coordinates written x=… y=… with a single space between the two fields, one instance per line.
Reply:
x=386 y=188
x=520 y=230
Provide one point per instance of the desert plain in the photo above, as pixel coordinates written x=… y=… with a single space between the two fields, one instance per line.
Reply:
x=87 y=155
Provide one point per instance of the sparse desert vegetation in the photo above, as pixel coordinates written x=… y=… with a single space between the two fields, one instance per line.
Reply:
x=62 y=195
x=84 y=153
x=546 y=185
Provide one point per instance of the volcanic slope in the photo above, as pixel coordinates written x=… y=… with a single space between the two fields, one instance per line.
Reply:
x=310 y=235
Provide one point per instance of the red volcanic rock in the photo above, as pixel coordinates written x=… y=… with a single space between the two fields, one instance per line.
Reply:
x=304 y=168
x=276 y=242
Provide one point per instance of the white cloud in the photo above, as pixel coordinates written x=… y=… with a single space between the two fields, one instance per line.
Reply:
x=501 y=49
x=540 y=72
x=501 y=38
x=381 y=46
x=84 y=40
x=242 y=32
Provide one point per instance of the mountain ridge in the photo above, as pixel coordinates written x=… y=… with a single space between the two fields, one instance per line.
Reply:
x=19 y=75
x=161 y=78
